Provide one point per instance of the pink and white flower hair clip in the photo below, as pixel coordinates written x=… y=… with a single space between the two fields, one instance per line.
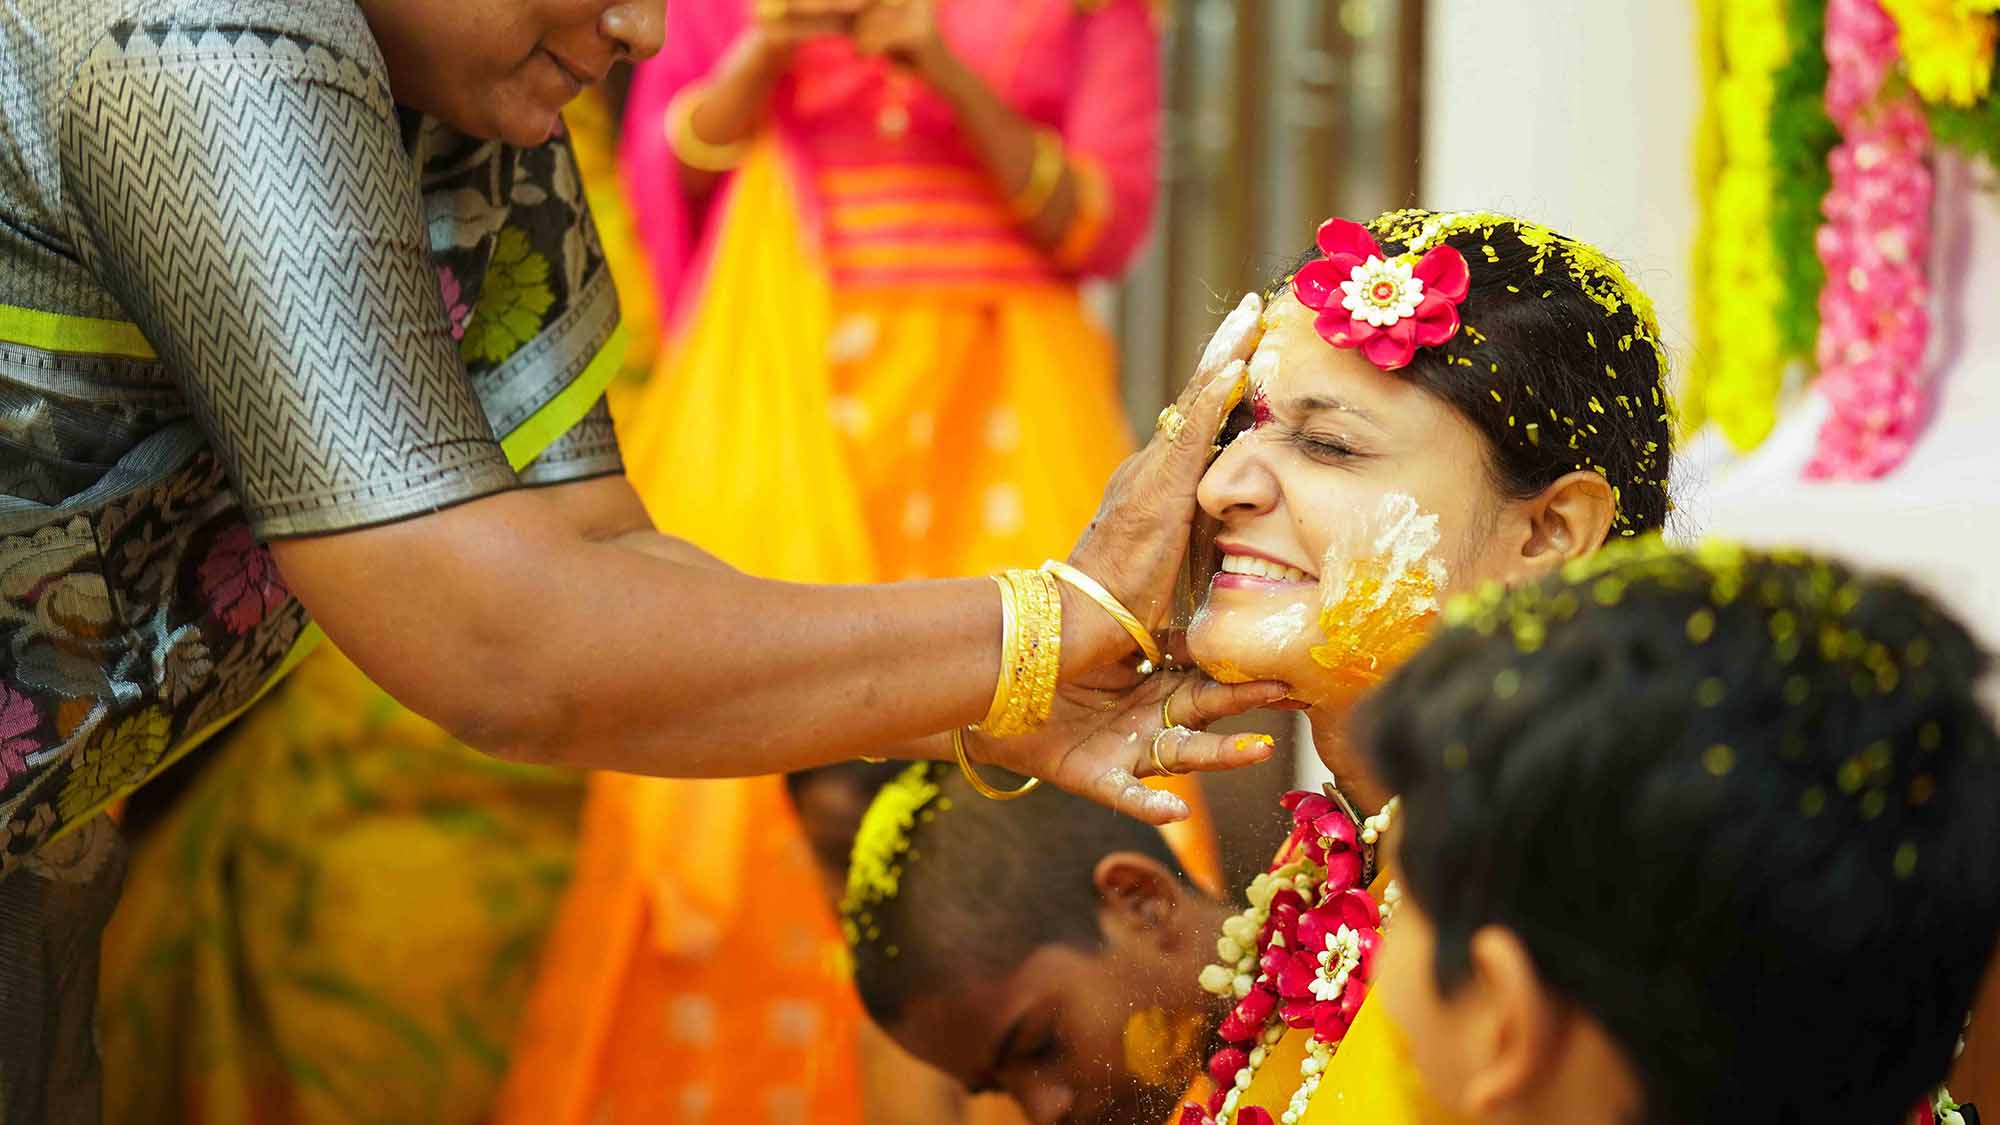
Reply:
x=1386 y=306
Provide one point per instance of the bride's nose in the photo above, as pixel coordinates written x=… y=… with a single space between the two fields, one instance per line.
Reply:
x=1240 y=483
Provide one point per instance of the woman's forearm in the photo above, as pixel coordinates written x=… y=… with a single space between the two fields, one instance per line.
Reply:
x=605 y=654
x=729 y=107
x=1006 y=143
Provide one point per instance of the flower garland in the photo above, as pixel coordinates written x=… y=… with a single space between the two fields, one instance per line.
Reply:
x=1947 y=47
x=1301 y=956
x=1874 y=310
x=1801 y=138
x=1738 y=384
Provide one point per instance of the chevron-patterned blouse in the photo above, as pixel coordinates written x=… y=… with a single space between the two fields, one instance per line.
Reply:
x=243 y=295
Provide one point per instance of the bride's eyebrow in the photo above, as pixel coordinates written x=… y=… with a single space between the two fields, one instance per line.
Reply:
x=1307 y=405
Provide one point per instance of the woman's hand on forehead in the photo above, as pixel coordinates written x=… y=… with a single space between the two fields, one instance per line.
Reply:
x=1235 y=338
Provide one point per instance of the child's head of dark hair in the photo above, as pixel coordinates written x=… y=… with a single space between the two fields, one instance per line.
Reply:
x=1737 y=807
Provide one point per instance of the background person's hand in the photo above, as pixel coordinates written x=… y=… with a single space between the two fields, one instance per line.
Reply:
x=780 y=26
x=903 y=30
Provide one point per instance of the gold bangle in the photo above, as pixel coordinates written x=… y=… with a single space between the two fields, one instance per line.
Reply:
x=1090 y=588
x=978 y=783
x=689 y=147
x=1043 y=178
x=1030 y=654
x=1003 y=688
x=1044 y=643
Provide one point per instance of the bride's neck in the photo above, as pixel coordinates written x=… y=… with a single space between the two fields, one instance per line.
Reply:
x=1343 y=758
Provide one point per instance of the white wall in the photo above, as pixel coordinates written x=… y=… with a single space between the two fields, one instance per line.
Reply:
x=1576 y=113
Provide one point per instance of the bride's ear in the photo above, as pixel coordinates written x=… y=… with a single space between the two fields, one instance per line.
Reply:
x=1568 y=520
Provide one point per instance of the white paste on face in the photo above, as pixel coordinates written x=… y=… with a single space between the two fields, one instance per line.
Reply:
x=1281 y=630
x=1266 y=364
x=1235 y=331
x=1400 y=539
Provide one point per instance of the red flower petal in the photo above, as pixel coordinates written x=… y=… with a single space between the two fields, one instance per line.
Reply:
x=1357 y=910
x=1347 y=238
x=1195 y=1115
x=1393 y=347
x=1330 y=1023
x=1258 y=1006
x=1226 y=1063
x=1341 y=329
x=1343 y=870
x=1253 y=1115
x=1336 y=825
x=1437 y=321
x=1317 y=285
x=1371 y=945
x=1444 y=272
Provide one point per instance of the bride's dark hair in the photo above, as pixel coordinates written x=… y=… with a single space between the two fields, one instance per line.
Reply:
x=1558 y=363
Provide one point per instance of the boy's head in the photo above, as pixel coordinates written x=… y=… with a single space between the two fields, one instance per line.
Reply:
x=1047 y=948
x=1690 y=838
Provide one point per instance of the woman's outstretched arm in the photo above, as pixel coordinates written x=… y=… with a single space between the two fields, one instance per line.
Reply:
x=550 y=627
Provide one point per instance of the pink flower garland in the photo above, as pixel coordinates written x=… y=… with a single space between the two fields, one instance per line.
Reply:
x=1875 y=308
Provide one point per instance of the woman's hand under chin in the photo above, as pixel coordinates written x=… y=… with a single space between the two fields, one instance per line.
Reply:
x=1099 y=742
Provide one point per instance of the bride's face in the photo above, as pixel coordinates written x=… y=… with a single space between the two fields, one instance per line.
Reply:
x=1341 y=462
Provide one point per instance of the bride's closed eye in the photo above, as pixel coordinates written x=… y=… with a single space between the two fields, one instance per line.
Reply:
x=1326 y=448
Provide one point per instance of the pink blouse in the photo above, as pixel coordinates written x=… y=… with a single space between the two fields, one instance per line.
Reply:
x=895 y=191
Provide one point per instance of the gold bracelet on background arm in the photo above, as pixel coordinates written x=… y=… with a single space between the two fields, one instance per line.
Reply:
x=689 y=147
x=1044 y=177
x=1090 y=588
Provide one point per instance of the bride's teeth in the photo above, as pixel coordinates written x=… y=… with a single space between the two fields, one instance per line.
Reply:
x=1261 y=568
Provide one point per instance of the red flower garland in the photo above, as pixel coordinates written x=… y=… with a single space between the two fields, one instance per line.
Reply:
x=1314 y=958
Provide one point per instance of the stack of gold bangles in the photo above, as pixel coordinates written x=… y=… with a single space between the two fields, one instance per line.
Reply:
x=1031 y=658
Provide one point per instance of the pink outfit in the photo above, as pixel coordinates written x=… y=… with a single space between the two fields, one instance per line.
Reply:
x=887 y=180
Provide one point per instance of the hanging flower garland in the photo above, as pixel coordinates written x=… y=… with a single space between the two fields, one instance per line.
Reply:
x=1738 y=387
x=1947 y=47
x=1801 y=138
x=1874 y=245
x=1301 y=956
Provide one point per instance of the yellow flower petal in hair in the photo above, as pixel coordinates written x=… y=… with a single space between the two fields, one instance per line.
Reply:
x=881 y=846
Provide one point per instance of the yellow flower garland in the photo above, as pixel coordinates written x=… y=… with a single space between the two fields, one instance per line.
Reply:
x=1947 y=47
x=1737 y=379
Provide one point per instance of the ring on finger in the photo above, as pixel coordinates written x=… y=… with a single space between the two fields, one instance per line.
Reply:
x=1171 y=422
x=1167 y=711
x=1159 y=764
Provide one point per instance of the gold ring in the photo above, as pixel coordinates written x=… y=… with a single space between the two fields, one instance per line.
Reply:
x=1166 y=710
x=1171 y=422
x=1159 y=765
